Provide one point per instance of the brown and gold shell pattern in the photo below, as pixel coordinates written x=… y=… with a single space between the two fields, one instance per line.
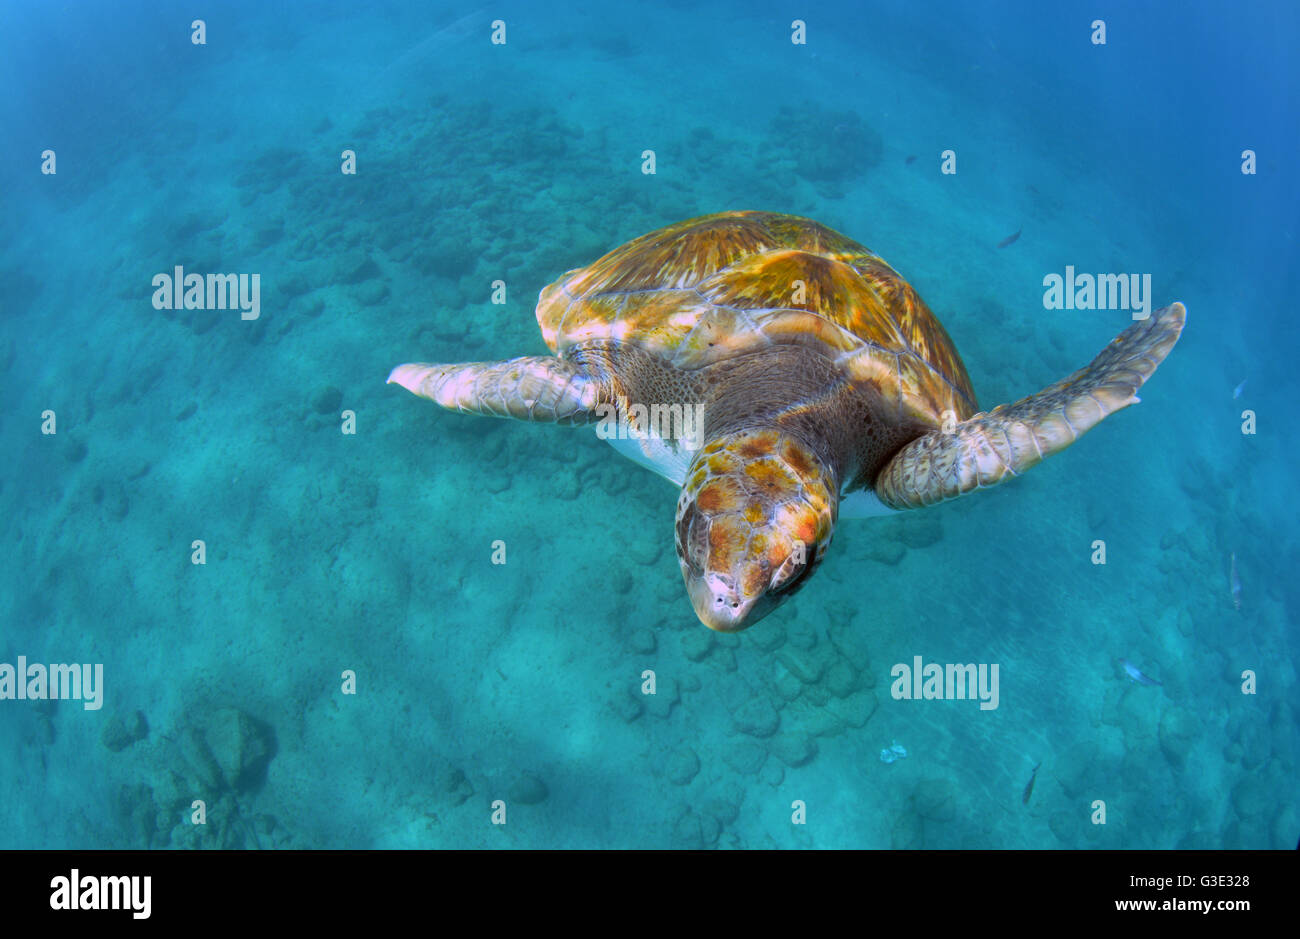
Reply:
x=710 y=288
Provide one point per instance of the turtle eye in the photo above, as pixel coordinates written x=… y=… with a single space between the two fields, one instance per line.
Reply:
x=797 y=580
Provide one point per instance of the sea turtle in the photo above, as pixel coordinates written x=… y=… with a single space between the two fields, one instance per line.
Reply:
x=822 y=384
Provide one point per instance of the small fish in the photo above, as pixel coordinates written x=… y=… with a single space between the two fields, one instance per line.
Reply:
x=896 y=751
x=1135 y=674
x=910 y=160
x=1236 y=392
x=1235 y=583
x=1029 y=788
x=1010 y=238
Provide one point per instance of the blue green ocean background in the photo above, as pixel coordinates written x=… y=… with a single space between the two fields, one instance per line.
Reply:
x=371 y=553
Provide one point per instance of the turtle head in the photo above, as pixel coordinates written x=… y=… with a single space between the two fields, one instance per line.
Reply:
x=755 y=516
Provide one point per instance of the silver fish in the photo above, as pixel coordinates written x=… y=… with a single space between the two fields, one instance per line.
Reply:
x=1135 y=673
x=1029 y=789
x=1236 y=392
x=1234 y=582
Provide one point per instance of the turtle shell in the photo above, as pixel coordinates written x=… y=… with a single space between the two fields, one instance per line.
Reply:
x=714 y=287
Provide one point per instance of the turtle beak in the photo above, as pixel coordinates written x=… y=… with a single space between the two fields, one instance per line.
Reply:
x=721 y=607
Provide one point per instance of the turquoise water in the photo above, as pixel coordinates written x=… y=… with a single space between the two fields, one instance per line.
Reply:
x=371 y=553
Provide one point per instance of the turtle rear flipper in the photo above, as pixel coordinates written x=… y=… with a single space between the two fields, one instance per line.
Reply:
x=987 y=448
x=530 y=388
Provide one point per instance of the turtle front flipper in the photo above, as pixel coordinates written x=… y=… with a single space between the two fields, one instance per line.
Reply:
x=531 y=388
x=987 y=448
